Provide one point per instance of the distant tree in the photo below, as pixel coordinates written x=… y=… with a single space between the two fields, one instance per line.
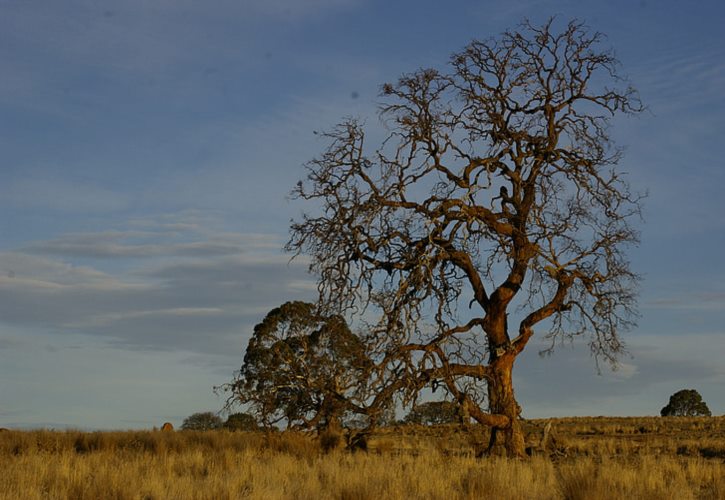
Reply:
x=495 y=191
x=205 y=421
x=241 y=422
x=433 y=413
x=686 y=403
x=301 y=369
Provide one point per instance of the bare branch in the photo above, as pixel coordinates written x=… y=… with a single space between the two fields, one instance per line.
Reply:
x=496 y=188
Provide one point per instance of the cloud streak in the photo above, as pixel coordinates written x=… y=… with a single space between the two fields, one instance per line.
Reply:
x=195 y=295
x=122 y=244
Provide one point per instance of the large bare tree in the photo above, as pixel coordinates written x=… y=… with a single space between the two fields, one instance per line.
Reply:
x=493 y=209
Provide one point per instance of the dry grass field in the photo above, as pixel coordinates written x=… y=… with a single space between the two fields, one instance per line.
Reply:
x=585 y=458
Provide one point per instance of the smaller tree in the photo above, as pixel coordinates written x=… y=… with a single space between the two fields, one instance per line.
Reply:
x=434 y=412
x=686 y=403
x=302 y=369
x=241 y=422
x=204 y=421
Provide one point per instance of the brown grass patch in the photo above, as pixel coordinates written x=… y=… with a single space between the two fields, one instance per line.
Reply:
x=598 y=458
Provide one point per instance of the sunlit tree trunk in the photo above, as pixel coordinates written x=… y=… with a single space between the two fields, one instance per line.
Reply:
x=502 y=402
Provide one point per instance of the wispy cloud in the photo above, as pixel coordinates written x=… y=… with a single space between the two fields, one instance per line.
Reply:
x=201 y=292
x=18 y=268
x=121 y=244
x=191 y=234
x=682 y=76
x=710 y=301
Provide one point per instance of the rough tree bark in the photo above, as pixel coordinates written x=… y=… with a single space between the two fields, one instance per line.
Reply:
x=502 y=401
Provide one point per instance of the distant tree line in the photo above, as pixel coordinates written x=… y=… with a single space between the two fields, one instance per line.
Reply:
x=427 y=413
x=684 y=403
x=209 y=421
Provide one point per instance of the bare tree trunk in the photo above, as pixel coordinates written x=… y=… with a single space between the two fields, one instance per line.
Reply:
x=503 y=402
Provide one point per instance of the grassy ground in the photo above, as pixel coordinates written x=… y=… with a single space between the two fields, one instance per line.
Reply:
x=592 y=458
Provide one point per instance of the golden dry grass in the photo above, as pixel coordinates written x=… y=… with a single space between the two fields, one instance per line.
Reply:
x=591 y=458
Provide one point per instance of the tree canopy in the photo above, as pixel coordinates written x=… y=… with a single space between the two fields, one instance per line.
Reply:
x=434 y=413
x=203 y=421
x=686 y=403
x=241 y=422
x=495 y=197
x=301 y=369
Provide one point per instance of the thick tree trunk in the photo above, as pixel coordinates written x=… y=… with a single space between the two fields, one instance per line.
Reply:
x=503 y=402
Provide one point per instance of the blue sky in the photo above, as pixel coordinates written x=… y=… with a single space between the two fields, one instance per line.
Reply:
x=148 y=148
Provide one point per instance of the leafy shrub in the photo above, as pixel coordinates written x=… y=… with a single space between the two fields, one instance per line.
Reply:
x=686 y=403
x=204 y=421
x=241 y=422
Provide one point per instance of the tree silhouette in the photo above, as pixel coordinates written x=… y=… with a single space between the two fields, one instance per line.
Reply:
x=203 y=421
x=686 y=403
x=495 y=191
x=241 y=422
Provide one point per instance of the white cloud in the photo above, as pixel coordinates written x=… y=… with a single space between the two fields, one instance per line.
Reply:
x=681 y=77
x=625 y=371
x=119 y=244
x=193 y=234
x=176 y=312
x=180 y=289
x=710 y=301
x=18 y=269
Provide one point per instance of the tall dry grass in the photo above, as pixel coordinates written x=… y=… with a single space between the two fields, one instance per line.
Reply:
x=402 y=463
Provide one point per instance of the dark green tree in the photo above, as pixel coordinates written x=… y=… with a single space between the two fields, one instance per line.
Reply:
x=496 y=192
x=434 y=413
x=686 y=403
x=241 y=422
x=204 y=421
x=301 y=369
